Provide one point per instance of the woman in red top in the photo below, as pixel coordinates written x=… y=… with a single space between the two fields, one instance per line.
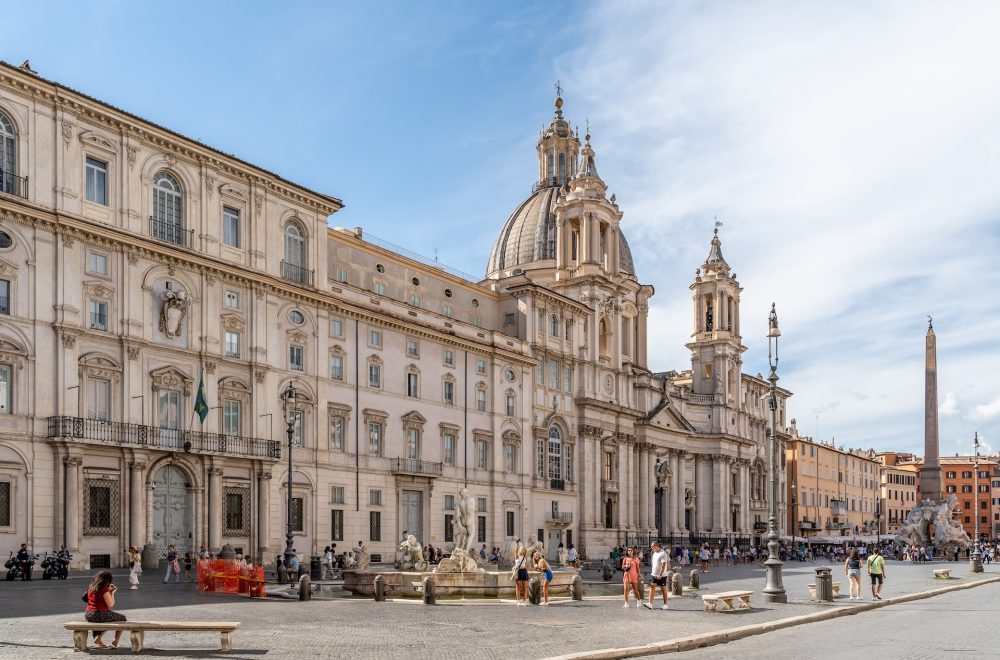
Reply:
x=630 y=567
x=100 y=600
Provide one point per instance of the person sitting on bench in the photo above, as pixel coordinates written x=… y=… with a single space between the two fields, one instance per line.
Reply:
x=100 y=598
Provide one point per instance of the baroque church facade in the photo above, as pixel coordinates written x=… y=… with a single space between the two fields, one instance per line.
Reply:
x=138 y=266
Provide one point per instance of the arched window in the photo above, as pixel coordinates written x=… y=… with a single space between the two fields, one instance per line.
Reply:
x=549 y=173
x=555 y=454
x=562 y=168
x=8 y=163
x=167 y=218
x=295 y=263
x=553 y=325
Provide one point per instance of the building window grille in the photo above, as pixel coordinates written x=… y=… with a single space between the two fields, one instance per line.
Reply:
x=101 y=502
x=237 y=513
x=298 y=514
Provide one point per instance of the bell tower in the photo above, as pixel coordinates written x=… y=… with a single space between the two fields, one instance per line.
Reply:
x=716 y=346
x=558 y=148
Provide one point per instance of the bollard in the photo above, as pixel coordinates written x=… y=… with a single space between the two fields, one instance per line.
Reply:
x=379 y=589
x=576 y=587
x=535 y=591
x=694 y=580
x=675 y=585
x=429 y=595
x=282 y=574
x=824 y=584
x=305 y=589
x=607 y=572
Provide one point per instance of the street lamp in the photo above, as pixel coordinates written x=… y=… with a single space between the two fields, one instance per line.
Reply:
x=658 y=502
x=976 y=558
x=288 y=401
x=774 y=591
x=795 y=519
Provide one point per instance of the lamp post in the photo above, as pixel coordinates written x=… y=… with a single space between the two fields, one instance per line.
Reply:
x=658 y=494
x=288 y=400
x=774 y=590
x=976 y=558
x=795 y=519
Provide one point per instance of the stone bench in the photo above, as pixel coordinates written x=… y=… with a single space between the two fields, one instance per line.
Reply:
x=942 y=574
x=728 y=598
x=137 y=630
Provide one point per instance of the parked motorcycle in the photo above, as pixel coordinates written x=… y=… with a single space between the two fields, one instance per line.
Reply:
x=54 y=566
x=13 y=566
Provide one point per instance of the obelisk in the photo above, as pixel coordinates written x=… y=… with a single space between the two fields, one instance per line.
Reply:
x=930 y=471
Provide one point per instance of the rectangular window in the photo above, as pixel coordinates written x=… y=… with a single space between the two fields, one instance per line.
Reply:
x=553 y=374
x=481 y=504
x=567 y=379
x=336 y=367
x=481 y=529
x=232 y=344
x=411 y=385
x=337 y=327
x=449 y=453
x=569 y=330
x=540 y=464
x=231 y=226
x=481 y=400
x=374 y=497
x=374 y=375
x=343 y=275
x=449 y=393
x=374 y=525
x=510 y=459
x=298 y=428
x=375 y=338
x=449 y=311
x=235 y=515
x=374 y=439
x=336 y=494
x=481 y=367
x=97 y=263
x=4 y=296
x=5 y=504
x=99 y=509
x=98 y=312
x=510 y=523
x=449 y=358
x=482 y=454
x=169 y=404
x=380 y=288
x=231 y=299
x=508 y=319
x=413 y=444
x=412 y=348
x=475 y=320
x=449 y=528
x=569 y=463
x=510 y=405
x=449 y=502
x=540 y=374
x=97 y=181
x=967 y=474
x=337 y=433
x=298 y=514
x=295 y=358
x=231 y=417
x=337 y=524
x=415 y=299
x=99 y=399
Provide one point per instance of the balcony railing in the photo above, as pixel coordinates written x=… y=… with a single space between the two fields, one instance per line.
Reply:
x=13 y=184
x=560 y=517
x=557 y=484
x=807 y=524
x=170 y=232
x=838 y=507
x=760 y=526
x=296 y=273
x=415 y=466
x=154 y=437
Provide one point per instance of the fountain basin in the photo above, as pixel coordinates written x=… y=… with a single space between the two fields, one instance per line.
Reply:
x=486 y=584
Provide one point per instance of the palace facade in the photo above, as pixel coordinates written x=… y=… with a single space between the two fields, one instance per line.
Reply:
x=138 y=265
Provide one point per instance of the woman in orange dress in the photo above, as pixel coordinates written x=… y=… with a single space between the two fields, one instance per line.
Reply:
x=630 y=568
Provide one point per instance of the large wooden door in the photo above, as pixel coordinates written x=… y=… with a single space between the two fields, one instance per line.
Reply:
x=171 y=510
x=412 y=514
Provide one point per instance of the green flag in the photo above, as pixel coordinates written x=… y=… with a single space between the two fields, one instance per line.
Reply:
x=201 y=403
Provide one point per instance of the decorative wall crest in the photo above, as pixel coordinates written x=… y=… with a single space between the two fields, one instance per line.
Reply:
x=172 y=313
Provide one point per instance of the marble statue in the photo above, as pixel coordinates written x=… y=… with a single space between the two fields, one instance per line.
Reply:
x=412 y=555
x=175 y=308
x=930 y=523
x=361 y=559
x=465 y=521
x=507 y=552
x=563 y=556
x=533 y=545
x=459 y=562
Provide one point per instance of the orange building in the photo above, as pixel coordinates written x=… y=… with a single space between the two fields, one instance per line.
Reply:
x=958 y=479
x=898 y=480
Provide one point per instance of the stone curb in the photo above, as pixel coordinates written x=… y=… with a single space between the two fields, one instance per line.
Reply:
x=702 y=640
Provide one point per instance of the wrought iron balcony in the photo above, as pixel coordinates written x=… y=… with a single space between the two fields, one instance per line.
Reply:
x=296 y=273
x=560 y=518
x=415 y=466
x=13 y=184
x=807 y=524
x=557 y=484
x=170 y=232
x=139 y=435
x=838 y=507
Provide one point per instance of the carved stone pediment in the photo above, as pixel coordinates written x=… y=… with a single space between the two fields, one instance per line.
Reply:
x=413 y=420
x=94 y=365
x=511 y=437
x=98 y=290
x=338 y=410
x=233 y=385
x=7 y=268
x=232 y=191
x=170 y=378
x=98 y=141
x=297 y=337
x=232 y=322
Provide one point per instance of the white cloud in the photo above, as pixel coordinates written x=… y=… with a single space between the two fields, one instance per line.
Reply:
x=987 y=410
x=850 y=149
x=949 y=407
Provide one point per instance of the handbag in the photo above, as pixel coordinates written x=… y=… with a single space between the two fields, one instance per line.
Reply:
x=177 y=566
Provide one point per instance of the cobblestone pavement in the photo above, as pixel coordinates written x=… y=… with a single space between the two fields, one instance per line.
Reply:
x=32 y=614
x=961 y=624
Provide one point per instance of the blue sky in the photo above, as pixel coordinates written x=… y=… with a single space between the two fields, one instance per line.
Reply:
x=850 y=149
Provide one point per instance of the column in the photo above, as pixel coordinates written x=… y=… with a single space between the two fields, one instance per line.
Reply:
x=745 y=480
x=585 y=458
x=149 y=513
x=699 y=504
x=622 y=490
x=214 y=510
x=643 y=489
x=73 y=500
x=263 y=515
x=137 y=493
x=597 y=470
x=560 y=255
x=677 y=491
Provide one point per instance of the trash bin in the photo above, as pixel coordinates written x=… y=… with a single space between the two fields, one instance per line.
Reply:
x=315 y=568
x=824 y=584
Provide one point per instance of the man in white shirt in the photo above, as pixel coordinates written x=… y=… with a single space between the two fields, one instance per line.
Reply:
x=659 y=577
x=572 y=556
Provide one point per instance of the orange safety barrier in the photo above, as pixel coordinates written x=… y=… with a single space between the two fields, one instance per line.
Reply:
x=231 y=577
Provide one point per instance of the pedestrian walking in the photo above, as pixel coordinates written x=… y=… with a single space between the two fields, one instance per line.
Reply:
x=187 y=567
x=876 y=570
x=658 y=576
x=100 y=599
x=134 y=567
x=520 y=575
x=542 y=565
x=630 y=569
x=704 y=557
x=173 y=566
x=852 y=568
